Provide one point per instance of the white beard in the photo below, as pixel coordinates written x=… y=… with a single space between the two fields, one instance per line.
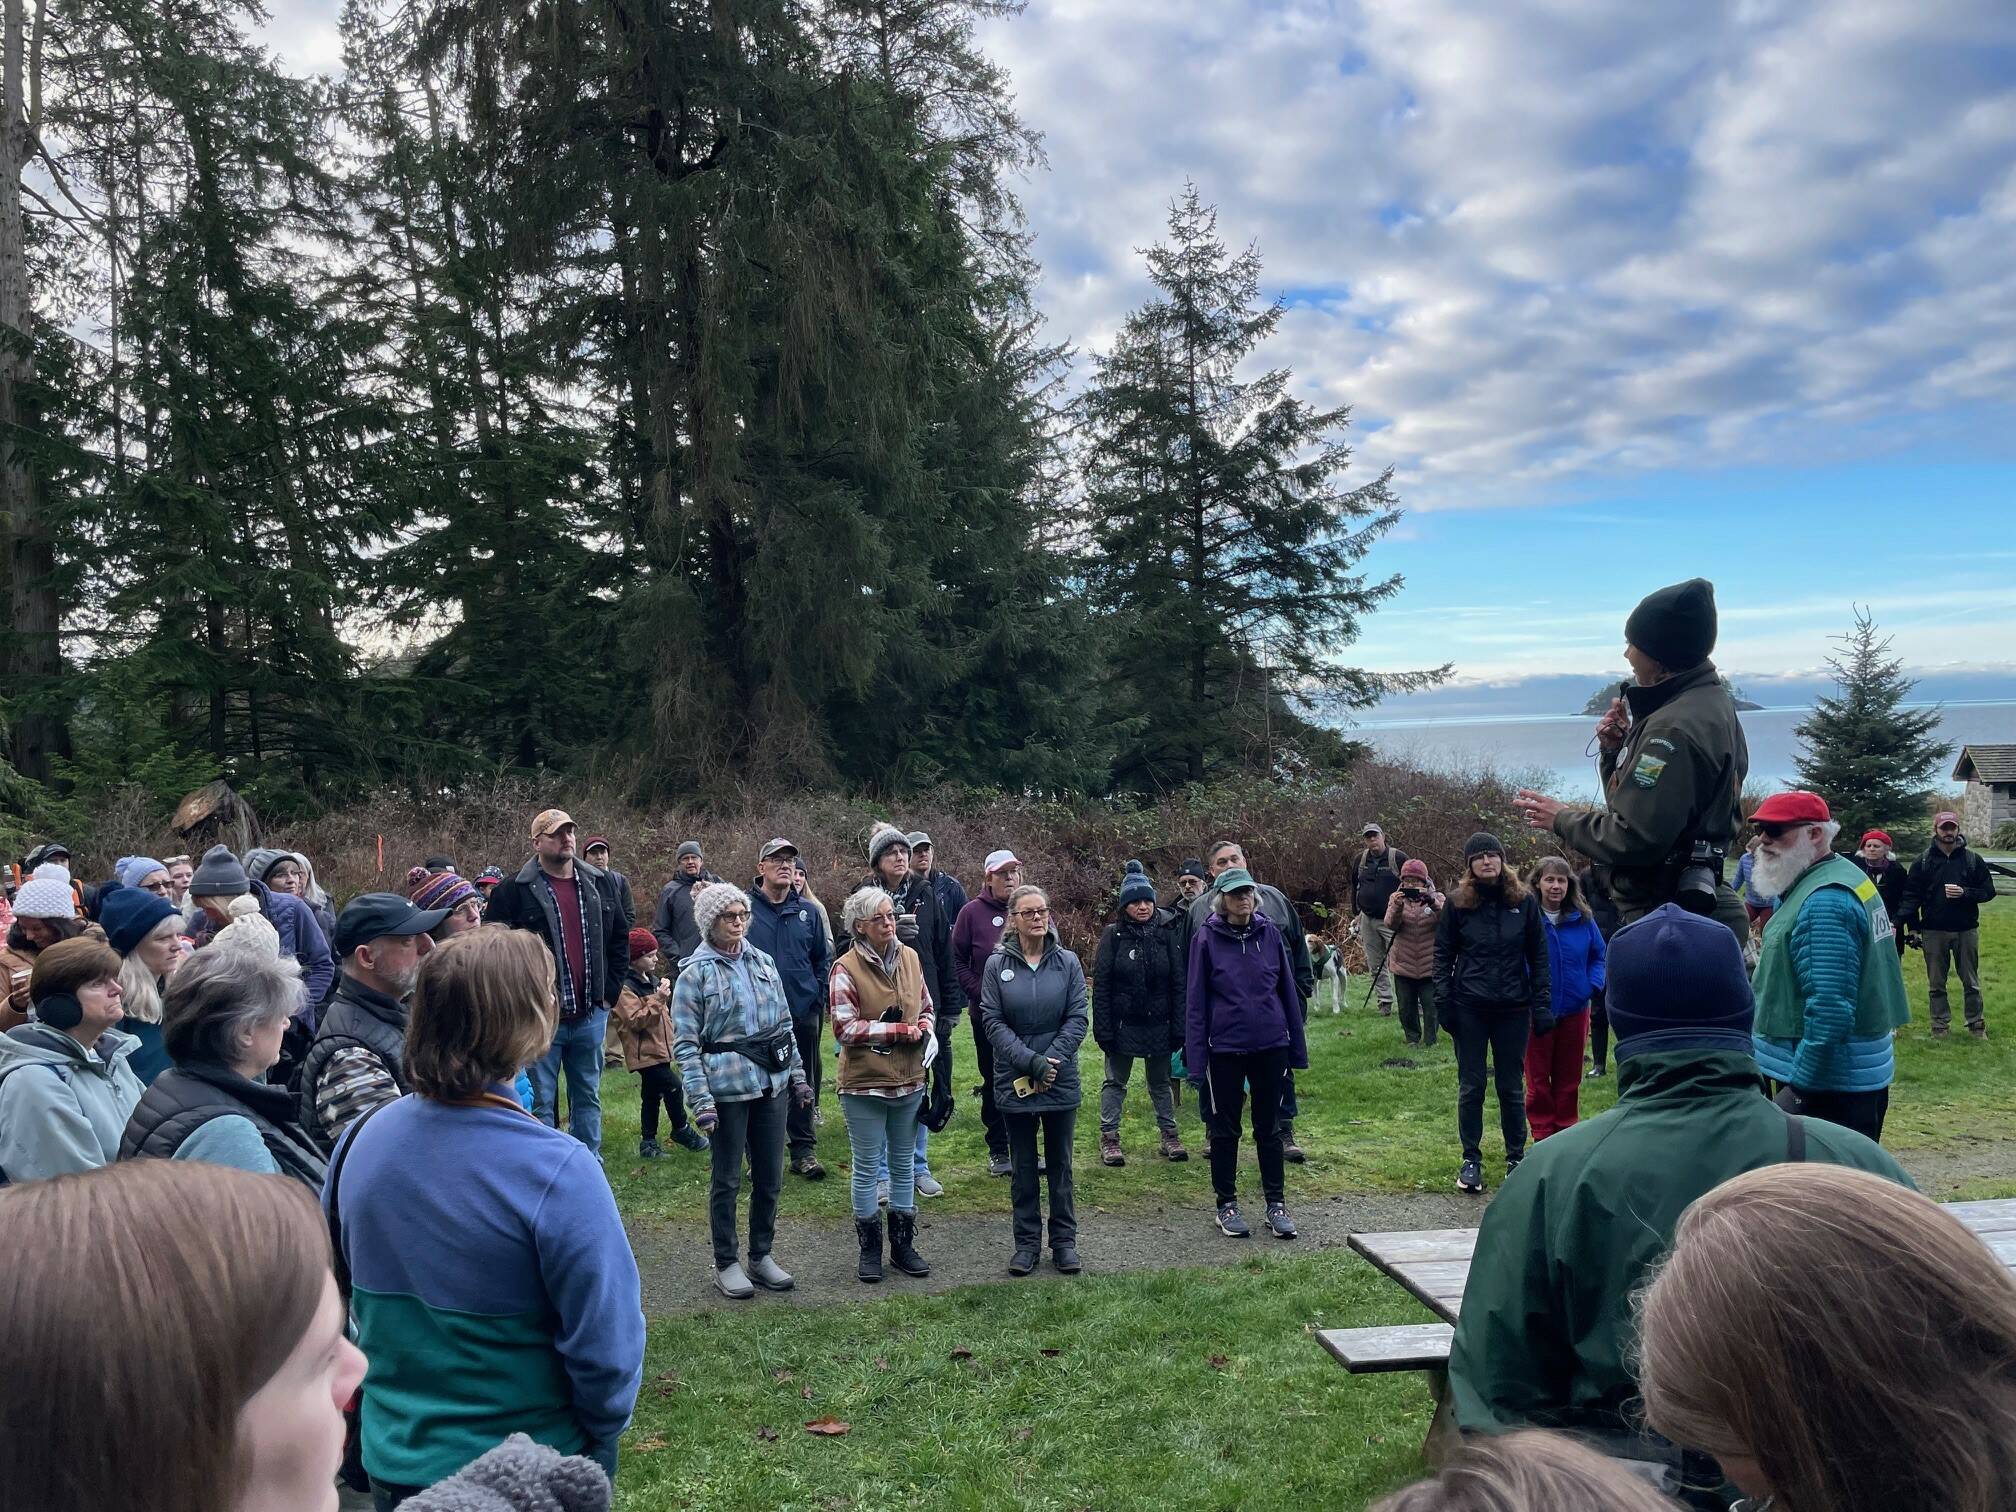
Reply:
x=1773 y=876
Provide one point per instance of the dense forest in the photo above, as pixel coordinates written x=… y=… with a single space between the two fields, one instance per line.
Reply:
x=649 y=390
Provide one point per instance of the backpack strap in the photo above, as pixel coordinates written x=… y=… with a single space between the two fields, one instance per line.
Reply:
x=339 y=1262
x=1795 y=1139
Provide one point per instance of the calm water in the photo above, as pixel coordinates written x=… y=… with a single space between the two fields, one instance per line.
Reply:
x=1552 y=747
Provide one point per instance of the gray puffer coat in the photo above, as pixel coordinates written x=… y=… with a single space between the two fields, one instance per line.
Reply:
x=1031 y=1014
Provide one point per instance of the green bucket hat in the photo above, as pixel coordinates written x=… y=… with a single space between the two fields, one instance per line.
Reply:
x=1233 y=878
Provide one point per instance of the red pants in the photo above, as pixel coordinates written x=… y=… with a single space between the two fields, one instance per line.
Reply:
x=1554 y=1075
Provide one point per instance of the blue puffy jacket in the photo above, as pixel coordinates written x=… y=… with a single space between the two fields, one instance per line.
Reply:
x=1575 y=962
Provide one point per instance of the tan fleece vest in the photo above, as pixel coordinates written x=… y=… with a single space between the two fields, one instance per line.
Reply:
x=860 y=1067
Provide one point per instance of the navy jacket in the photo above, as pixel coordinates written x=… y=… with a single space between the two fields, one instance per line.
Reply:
x=300 y=936
x=792 y=936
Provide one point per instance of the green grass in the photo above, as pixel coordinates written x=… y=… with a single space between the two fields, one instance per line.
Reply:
x=1198 y=1388
x=1131 y=1410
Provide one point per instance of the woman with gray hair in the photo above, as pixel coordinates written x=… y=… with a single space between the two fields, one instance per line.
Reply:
x=223 y=1017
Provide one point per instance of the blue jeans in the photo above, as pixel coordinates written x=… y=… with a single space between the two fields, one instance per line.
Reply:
x=920 y=1152
x=578 y=1047
x=877 y=1128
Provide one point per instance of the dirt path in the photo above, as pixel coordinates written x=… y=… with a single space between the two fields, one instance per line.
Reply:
x=964 y=1249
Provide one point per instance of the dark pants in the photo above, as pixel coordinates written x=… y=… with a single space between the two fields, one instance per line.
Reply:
x=756 y=1127
x=1599 y=1029
x=1290 y=1108
x=1500 y=1033
x=1863 y=1112
x=801 y=1133
x=1416 y=997
x=990 y=1111
x=1229 y=1077
x=661 y=1085
x=1024 y=1184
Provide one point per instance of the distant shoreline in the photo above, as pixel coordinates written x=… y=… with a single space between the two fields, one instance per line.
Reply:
x=1442 y=722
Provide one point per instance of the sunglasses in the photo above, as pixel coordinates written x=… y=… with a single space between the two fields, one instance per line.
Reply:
x=1779 y=831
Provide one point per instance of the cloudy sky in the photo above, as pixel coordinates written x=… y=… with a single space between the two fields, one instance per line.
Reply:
x=1623 y=293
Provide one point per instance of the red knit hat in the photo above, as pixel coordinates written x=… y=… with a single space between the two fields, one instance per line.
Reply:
x=642 y=944
x=1792 y=808
x=1883 y=835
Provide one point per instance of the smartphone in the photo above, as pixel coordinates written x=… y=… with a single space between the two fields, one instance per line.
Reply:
x=1024 y=1086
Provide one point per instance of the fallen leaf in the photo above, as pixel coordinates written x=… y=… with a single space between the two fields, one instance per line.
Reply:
x=880 y=1363
x=828 y=1427
x=767 y=1434
x=1022 y=1434
x=1218 y=1362
x=806 y=1393
x=648 y=1445
x=637 y=1170
x=962 y=1354
x=781 y=1375
x=1050 y=1354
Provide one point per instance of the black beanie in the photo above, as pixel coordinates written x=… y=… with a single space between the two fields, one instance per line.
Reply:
x=1675 y=626
x=1482 y=844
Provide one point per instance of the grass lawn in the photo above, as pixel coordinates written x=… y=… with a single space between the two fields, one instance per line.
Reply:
x=1182 y=1388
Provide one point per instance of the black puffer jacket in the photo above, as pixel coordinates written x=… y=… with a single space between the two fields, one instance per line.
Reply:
x=1891 y=883
x=1492 y=953
x=1137 y=987
x=1925 y=897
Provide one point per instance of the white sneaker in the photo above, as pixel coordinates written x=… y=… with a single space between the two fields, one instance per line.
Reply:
x=929 y=1185
x=732 y=1282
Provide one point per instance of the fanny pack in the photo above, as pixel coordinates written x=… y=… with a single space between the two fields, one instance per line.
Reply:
x=771 y=1052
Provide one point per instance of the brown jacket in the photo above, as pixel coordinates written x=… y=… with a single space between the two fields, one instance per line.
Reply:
x=15 y=968
x=1412 y=953
x=643 y=1027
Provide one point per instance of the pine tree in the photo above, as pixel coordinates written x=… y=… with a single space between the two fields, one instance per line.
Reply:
x=1224 y=536
x=1871 y=758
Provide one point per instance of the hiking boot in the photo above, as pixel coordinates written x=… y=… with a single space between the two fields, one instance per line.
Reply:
x=1471 y=1177
x=1291 y=1152
x=1939 y=1031
x=808 y=1166
x=929 y=1185
x=769 y=1275
x=1278 y=1221
x=1230 y=1224
x=1065 y=1258
x=1022 y=1263
x=1110 y=1152
x=903 y=1245
x=732 y=1283
x=869 y=1232
x=647 y=1149
x=997 y=1165
x=1172 y=1147
x=689 y=1138
x=1979 y=1031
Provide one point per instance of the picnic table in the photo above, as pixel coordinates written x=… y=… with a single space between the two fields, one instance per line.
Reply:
x=1434 y=1265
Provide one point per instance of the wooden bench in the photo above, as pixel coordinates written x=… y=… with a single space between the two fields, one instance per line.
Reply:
x=1434 y=1265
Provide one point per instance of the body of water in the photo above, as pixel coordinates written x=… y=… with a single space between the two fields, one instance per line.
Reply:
x=1551 y=747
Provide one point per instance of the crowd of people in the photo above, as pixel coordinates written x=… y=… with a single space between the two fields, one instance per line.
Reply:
x=222 y=1012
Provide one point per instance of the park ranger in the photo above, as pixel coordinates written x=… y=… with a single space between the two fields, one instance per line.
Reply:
x=1673 y=763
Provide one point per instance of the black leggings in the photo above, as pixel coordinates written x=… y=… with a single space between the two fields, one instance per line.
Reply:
x=661 y=1084
x=1496 y=1031
x=1599 y=1029
x=1230 y=1076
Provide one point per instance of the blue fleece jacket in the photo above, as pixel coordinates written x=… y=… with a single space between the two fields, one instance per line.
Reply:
x=1242 y=994
x=1827 y=958
x=1575 y=962
x=493 y=1287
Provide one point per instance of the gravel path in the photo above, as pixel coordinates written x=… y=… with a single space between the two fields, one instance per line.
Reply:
x=963 y=1249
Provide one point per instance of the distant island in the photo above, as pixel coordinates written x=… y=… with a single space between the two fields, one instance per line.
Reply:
x=1600 y=699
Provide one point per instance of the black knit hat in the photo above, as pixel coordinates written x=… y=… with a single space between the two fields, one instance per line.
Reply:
x=1675 y=626
x=1482 y=843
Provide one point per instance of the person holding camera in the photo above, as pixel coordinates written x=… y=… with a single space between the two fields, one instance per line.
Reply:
x=882 y=1022
x=738 y=1058
x=1674 y=760
x=1374 y=880
x=1943 y=895
x=1410 y=918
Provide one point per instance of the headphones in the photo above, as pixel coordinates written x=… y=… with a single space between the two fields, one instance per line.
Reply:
x=60 y=1010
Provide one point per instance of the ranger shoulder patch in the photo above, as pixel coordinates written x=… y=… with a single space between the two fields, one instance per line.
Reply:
x=1648 y=771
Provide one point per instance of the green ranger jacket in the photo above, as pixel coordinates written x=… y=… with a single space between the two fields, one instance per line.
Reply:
x=1677 y=778
x=1546 y=1323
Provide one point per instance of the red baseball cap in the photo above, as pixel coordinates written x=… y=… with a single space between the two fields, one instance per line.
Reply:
x=1792 y=808
x=1945 y=816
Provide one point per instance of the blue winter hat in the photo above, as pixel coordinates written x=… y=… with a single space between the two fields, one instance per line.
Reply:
x=129 y=915
x=133 y=870
x=1135 y=886
x=1676 y=982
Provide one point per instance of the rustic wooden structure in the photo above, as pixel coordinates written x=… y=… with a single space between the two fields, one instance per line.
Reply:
x=215 y=815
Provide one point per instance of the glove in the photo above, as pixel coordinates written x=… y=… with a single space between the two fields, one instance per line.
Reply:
x=1445 y=1015
x=1543 y=1021
x=706 y=1122
x=802 y=1094
x=930 y=1051
x=906 y=928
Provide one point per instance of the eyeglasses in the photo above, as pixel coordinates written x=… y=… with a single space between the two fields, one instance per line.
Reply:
x=159 y=889
x=884 y=917
x=174 y=860
x=733 y=913
x=1032 y=913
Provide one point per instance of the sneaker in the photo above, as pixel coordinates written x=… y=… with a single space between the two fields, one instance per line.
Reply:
x=689 y=1138
x=997 y=1165
x=1471 y=1177
x=1512 y=1163
x=808 y=1166
x=1110 y=1152
x=1172 y=1147
x=1022 y=1263
x=1979 y=1031
x=929 y=1185
x=1230 y=1223
x=769 y=1275
x=1278 y=1221
x=882 y=1193
x=1291 y=1152
x=1065 y=1258
x=1596 y=1071
x=1942 y=1033
x=647 y=1149
x=731 y=1282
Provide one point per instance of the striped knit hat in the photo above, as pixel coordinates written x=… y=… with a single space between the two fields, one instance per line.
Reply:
x=442 y=890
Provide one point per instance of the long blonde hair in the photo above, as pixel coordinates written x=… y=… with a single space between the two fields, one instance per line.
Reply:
x=1847 y=1334
x=1525 y=1472
x=139 y=988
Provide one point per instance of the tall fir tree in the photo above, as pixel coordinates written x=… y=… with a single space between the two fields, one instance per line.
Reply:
x=1224 y=535
x=1871 y=758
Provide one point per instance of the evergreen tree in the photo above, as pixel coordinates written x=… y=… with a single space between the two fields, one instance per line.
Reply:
x=1871 y=758
x=1224 y=535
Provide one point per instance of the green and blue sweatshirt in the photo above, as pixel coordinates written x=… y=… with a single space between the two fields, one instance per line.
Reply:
x=493 y=1288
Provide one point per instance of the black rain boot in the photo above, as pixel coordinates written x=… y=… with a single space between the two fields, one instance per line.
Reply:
x=869 y=1232
x=903 y=1245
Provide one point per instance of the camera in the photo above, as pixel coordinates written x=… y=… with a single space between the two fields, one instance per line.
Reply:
x=1700 y=875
